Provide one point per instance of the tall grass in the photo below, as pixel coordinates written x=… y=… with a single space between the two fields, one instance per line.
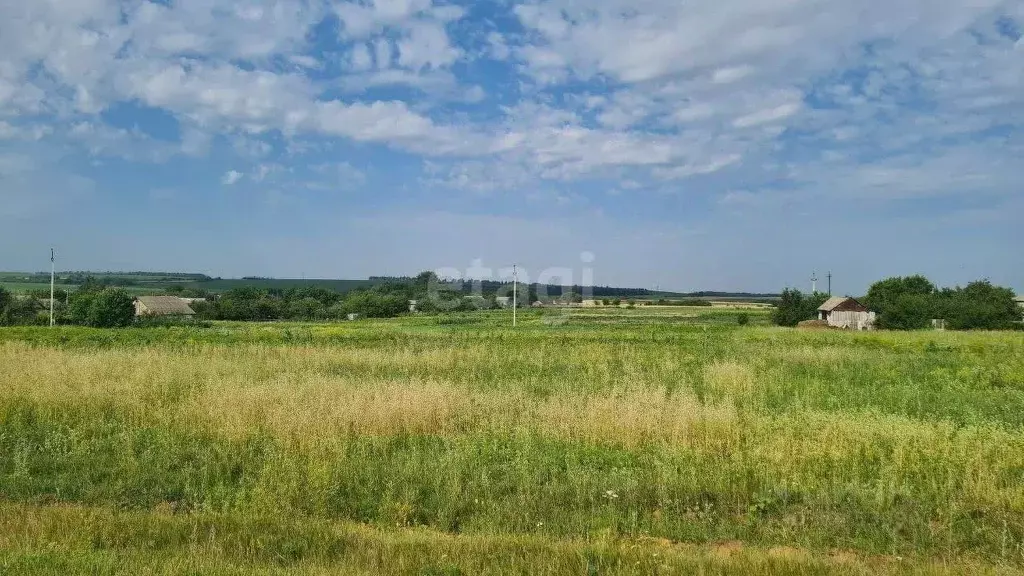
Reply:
x=592 y=444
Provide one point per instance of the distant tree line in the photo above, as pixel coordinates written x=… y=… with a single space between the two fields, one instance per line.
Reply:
x=95 y=303
x=912 y=302
x=683 y=302
x=386 y=299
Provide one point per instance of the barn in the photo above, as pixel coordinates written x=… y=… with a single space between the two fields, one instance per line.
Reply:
x=846 y=312
x=162 y=306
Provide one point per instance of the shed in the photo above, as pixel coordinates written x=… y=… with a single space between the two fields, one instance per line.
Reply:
x=162 y=306
x=846 y=312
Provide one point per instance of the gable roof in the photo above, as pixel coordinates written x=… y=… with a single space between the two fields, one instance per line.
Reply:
x=165 y=305
x=835 y=302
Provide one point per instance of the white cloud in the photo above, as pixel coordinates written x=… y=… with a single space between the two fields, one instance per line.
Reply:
x=427 y=45
x=382 y=53
x=231 y=177
x=361 y=59
x=16 y=132
x=767 y=115
x=732 y=74
x=361 y=21
x=305 y=61
x=671 y=90
x=498 y=48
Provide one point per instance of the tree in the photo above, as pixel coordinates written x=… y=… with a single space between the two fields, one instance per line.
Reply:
x=16 y=311
x=907 y=312
x=902 y=303
x=371 y=304
x=789 y=310
x=5 y=298
x=111 y=308
x=793 y=307
x=980 y=306
x=307 y=309
x=80 y=306
x=91 y=284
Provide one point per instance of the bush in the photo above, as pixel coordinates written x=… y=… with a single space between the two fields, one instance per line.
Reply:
x=910 y=303
x=16 y=311
x=80 y=307
x=980 y=306
x=112 y=308
x=903 y=303
x=307 y=309
x=907 y=312
x=743 y=319
x=793 y=307
x=374 y=305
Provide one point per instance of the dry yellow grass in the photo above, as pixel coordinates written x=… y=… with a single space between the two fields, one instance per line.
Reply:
x=311 y=395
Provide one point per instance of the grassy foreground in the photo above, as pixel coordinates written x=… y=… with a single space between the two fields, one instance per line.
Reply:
x=602 y=442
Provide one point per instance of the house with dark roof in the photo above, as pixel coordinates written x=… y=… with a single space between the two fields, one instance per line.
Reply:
x=162 y=306
x=847 y=313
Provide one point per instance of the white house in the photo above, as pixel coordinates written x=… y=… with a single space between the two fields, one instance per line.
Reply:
x=845 y=312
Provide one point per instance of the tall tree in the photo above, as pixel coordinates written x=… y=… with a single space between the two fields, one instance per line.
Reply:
x=903 y=303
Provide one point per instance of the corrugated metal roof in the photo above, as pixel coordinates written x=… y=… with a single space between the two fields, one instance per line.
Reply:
x=832 y=303
x=165 y=306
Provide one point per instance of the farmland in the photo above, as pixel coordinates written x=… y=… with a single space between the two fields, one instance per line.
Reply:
x=609 y=441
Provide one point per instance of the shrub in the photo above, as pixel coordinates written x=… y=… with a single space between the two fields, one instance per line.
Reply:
x=907 y=312
x=743 y=319
x=111 y=308
x=793 y=307
x=374 y=305
x=979 y=306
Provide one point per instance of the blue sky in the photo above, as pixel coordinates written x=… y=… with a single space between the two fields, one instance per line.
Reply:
x=687 y=145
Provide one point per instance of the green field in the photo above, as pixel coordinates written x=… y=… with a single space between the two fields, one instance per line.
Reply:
x=667 y=441
x=222 y=285
x=19 y=287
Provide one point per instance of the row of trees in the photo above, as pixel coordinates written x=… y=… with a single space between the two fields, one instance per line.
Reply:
x=384 y=300
x=912 y=302
x=90 y=305
x=95 y=304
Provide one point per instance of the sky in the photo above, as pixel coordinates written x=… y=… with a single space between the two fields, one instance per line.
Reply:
x=700 y=145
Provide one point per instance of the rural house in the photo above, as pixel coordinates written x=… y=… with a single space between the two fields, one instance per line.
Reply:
x=162 y=306
x=1020 y=301
x=845 y=312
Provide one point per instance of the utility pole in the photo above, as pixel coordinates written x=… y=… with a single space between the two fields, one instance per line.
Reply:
x=829 y=282
x=53 y=274
x=814 y=283
x=515 y=295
